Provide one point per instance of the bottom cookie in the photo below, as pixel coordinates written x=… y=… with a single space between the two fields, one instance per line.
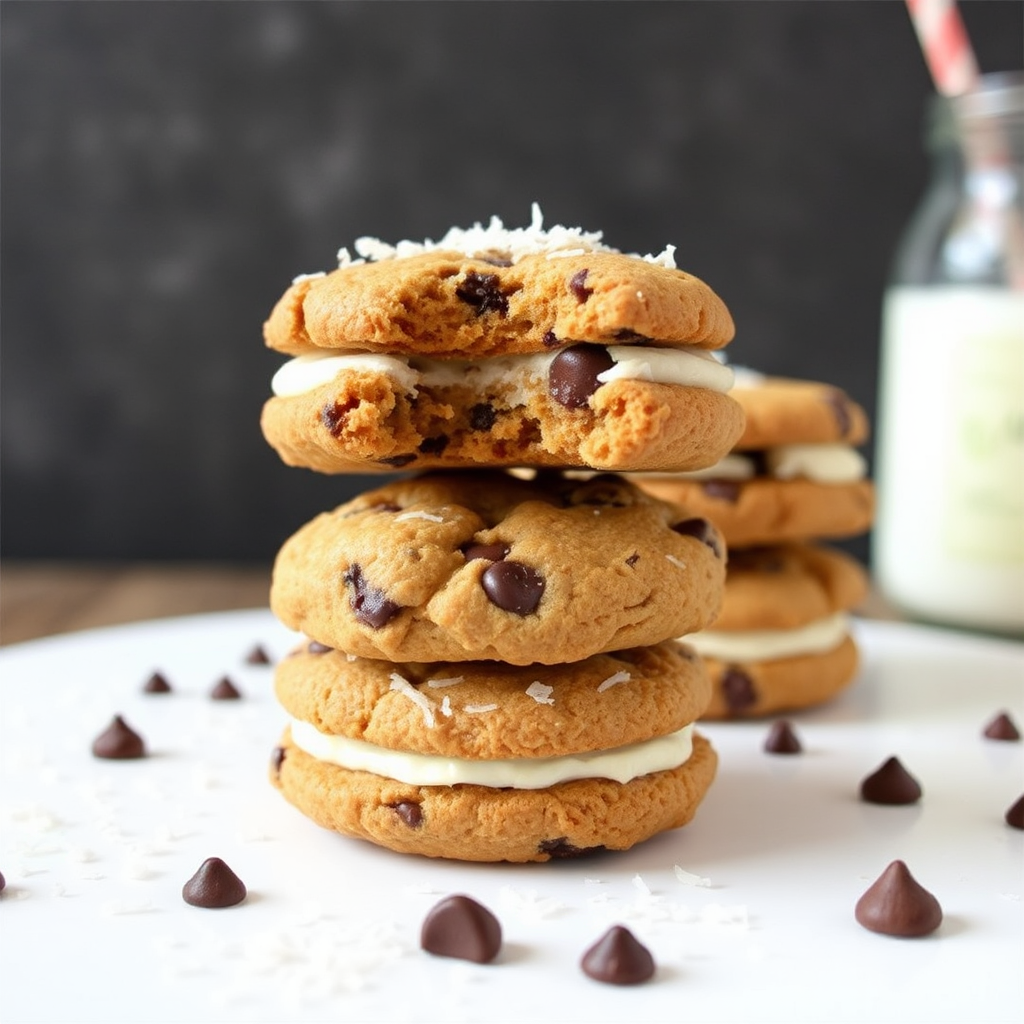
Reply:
x=480 y=823
x=756 y=688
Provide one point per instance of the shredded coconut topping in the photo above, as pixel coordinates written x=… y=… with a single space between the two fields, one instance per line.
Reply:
x=446 y=706
x=479 y=709
x=689 y=878
x=436 y=684
x=420 y=515
x=497 y=241
x=619 y=677
x=425 y=704
x=676 y=562
x=540 y=692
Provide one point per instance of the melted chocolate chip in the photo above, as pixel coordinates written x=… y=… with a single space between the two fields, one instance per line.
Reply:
x=562 y=849
x=702 y=530
x=397 y=461
x=737 y=689
x=617 y=958
x=409 y=812
x=572 y=376
x=723 y=490
x=370 y=605
x=225 y=690
x=513 y=587
x=482 y=416
x=333 y=414
x=1002 y=727
x=434 y=445
x=628 y=335
x=492 y=552
x=257 y=656
x=156 y=683
x=890 y=784
x=277 y=756
x=839 y=403
x=213 y=886
x=1015 y=815
x=633 y=559
x=550 y=340
x=315 y=647
x=483 y=292
x=782 y=739
x=460 y=927
x=118 y=742
x=897 y=904
x=578 y=285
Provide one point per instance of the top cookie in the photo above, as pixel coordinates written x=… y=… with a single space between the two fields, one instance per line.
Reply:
x=496 y=292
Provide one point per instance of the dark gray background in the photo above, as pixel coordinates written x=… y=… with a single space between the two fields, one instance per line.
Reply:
x=169 y=167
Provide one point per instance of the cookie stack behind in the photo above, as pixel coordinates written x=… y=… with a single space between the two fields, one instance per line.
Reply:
x=490 y=672
x=793 y=479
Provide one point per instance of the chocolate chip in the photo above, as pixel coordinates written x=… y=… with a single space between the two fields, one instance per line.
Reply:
x=578 y=285
x=3 y=882
x=118 y=742
x=371 y=606
x=460 y=927
x=1002 y=727
x=213 y=886
x=434 y=445
x=397 y=461
x=737 y=689
x=606 y=490
x=496 y=261
x=550 y=340
x=277 y=756
x=315 y=647
x=333 y=414
x=723 y=490
x=156 y=683
x=839 y=403
x=257 y=656
x=890 y=784
x=225 y=690
x=513 y=587
x=482 y=416
x=897 y=904
x=1015 y=815
x=782 y=739
x=629 y=336
x=702 y=530
x=483 y=292
x=633 y=559
x=562 y=849
x=572 y=376
x=617 y=958
x=492 y=552
x=409 y=812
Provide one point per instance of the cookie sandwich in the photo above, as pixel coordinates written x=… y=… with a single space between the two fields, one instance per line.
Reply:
x=496 y=347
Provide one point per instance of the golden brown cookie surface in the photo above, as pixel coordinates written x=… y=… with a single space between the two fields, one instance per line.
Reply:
x=450 y=567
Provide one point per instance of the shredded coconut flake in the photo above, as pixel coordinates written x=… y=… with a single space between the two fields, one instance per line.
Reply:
x=420 y=515
x=640 y=884
x=688 y=878
x=446 y=706
x=619 y=677
x=437 y=684
x=425 y=704
x=540 y=692
x=676 y=562
x=479 y=709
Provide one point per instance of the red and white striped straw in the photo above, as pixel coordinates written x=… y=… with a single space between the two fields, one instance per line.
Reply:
x=947 y=50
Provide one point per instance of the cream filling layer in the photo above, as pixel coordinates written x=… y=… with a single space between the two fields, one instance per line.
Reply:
x=821 y=463
x=768 y=644
x=621 y=764
x=685 y=366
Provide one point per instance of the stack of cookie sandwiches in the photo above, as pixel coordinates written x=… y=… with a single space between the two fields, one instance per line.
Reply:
x=490 y=670
x=794 y=478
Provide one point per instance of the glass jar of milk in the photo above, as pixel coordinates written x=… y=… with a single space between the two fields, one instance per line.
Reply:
x=949 y=535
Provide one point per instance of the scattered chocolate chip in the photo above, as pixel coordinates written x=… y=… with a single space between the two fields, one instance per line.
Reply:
x=737 y=689
x=482 y=416
x=1015 y=815
x=562 y=849
x=702 y=530
x=578 y=285
x=606 y=490
x=839 y=403
x=1002 y=727
x=492 y=552
x=617 y=958
x=224 y=689
x=890 y=784
x=315 y=647
x=572 y=375
x=397 y=461
x=724 y=490
x=897 y=904
x=782 y=739
x=483 y=292
x=460 y=927
x=434 y=445
x=277 y=756
x=213 y=886
x=3 y=882
x=156 y=683
x=257 y=656
x=629 y=336
x=550 y=340
x=370 y=605
x=633 y=559
x=333 y=414
x=118 y=742
x=411 y=813
x=513 y=587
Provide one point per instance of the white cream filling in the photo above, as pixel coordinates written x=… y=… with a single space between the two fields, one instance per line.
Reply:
x=821 y=463
x=622 y=764
x=685 y=366
x=767 y=644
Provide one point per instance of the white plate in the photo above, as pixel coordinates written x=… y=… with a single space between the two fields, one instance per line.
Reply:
x=95 y=854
